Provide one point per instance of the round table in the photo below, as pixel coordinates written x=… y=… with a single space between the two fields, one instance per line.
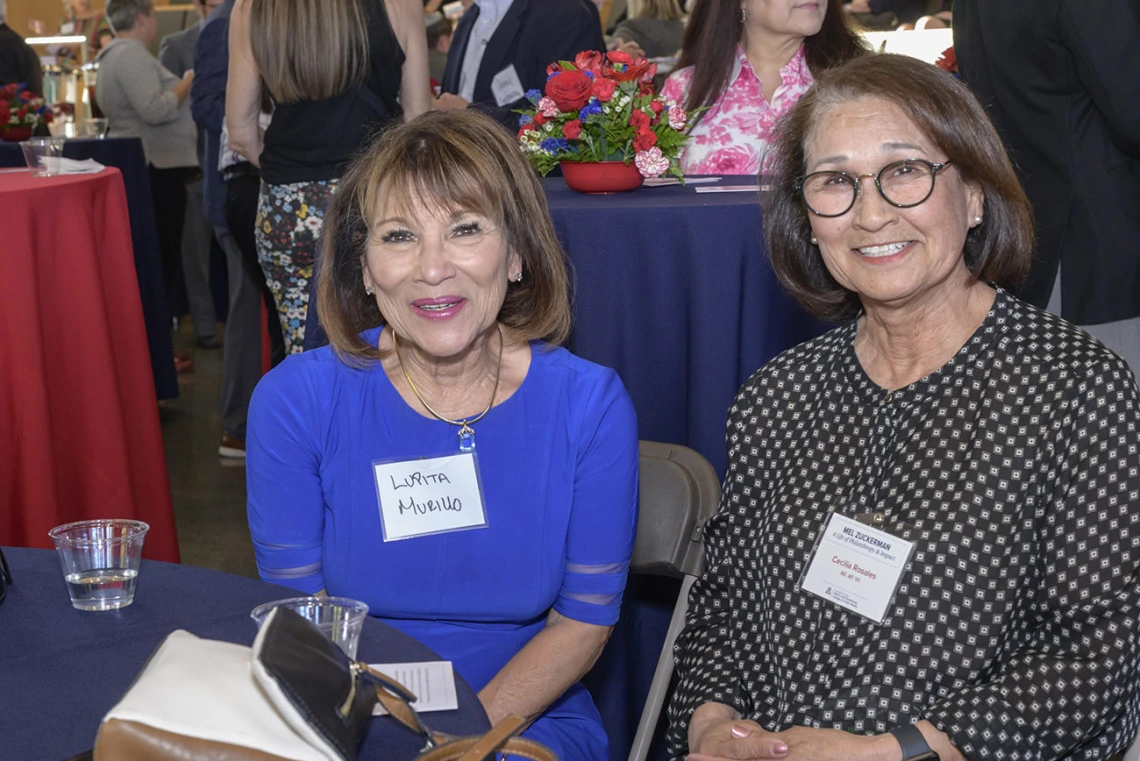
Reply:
x=62 y=669
x=126 y=155
x=79 y=429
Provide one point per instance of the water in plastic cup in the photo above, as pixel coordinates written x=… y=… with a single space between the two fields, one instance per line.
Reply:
x=37 y=149
x=100 y=561
x=339 y=618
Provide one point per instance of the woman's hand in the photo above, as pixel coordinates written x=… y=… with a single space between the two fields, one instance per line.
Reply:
x=811 y=744
x=737 y=739
x=717 y=732
x=630 y=48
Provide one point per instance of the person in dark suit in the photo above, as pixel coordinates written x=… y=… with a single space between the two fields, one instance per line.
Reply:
x=18 y=62
x=501 y=49
x=1059 y=80
x=176 y=53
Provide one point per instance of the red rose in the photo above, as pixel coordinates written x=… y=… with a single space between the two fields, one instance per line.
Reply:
x=656 y=107
x=22 y=113
x=589 y=60
x=540 y=119
x=643 y=141
x=571 y=129
x=617 y=56
x=570 y=90
x=604 y=89
x=638 y=120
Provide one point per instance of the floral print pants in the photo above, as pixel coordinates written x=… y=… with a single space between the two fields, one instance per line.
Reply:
x=289 y=221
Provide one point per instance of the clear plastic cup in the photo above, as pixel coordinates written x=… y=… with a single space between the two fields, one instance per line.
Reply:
x=100 y=561
x=94 y=127
x=339 y=618
x=37 y=149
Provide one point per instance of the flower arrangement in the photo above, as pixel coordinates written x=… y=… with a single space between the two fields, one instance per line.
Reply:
x=948 y=61
x=21 y=110
x=601 y=107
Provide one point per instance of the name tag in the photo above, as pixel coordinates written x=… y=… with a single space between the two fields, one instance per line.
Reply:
x=430 y=496
x=857 y=567
x=506 y=86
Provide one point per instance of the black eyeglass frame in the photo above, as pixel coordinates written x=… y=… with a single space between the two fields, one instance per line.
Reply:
x=857 y=181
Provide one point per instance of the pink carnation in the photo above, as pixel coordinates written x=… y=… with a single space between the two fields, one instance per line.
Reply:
x=651 y=163
x=548 y=107
x=677 y=118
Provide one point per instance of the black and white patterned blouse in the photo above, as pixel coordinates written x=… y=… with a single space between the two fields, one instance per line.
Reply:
x=1016 y=470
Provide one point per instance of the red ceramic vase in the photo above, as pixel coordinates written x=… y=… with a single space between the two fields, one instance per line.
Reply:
x=15 y=134
x=601 y=176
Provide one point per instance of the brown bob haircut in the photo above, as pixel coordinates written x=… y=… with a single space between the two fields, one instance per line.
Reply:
x=451 y=160
x=998 y=251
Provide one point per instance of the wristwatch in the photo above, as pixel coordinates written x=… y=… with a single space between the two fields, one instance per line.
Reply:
x=914 y=746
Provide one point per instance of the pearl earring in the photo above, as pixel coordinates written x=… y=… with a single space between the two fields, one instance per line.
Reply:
x=368 y=290
x=814 y=241
x=743 y=14
x=977 y=220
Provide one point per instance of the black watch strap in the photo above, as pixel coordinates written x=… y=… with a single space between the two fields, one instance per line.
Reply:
x=914 y=746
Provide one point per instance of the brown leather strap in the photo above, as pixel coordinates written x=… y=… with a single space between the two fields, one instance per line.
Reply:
x=500 y=739
x=475 y=749
x=495 y=739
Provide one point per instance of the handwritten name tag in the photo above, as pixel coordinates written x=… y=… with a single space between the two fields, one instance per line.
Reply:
x=857 y=567
x=429 y=496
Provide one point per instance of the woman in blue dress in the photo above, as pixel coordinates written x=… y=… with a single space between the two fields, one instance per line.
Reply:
x=443 y=460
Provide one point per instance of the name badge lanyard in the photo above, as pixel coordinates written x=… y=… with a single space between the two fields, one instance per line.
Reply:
x=421 y=497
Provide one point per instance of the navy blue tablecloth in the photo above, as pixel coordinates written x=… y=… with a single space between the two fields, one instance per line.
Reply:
x=126 y=154
x=62 y=669
x=674 y=291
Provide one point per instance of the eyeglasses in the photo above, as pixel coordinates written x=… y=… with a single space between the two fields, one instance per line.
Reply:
x=5 y=576
x=902 y=184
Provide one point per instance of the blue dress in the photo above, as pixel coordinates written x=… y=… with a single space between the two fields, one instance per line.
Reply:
x=558 y=467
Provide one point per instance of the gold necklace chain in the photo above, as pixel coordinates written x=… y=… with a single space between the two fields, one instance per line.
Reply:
x=466 y=432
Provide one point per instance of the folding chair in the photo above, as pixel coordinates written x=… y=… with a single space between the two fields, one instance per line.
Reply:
x=679 y=492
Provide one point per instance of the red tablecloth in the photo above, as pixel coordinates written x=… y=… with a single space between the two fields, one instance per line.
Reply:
x=79 y=429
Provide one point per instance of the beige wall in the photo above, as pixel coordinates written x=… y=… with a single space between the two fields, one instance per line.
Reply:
x=20 y=12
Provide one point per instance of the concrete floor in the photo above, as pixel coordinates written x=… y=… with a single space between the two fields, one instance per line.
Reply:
x=209 y=492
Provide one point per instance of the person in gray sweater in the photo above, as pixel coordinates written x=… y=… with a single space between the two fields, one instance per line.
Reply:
x=142 y=99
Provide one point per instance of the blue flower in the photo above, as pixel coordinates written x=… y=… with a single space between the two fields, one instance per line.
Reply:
x=525 y=119
x=554 y=144
x=593 y=107
x=590 y=74
x=552 y=75
x=533 y=96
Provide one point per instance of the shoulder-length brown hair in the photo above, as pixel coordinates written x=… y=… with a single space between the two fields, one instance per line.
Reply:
x=453 y=160
x=999 y=250
x=310 y=49
x=715 y=26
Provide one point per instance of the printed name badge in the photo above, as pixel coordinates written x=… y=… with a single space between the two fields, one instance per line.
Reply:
x=506 y=87
x=857 y=567
x=430 y=496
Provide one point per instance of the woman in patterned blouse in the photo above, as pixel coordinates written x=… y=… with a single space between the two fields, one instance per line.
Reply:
x=1001 y=441
x=750 y=85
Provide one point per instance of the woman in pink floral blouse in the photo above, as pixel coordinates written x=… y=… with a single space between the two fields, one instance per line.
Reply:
x=750 y=85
